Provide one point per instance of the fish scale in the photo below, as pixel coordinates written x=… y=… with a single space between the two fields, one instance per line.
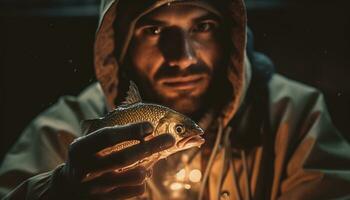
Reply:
x=131 y=114
x=135 y=113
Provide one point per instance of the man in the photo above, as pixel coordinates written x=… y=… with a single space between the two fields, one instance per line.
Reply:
x=267 y=137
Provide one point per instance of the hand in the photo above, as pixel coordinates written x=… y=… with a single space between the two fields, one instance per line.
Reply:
x=82 y=160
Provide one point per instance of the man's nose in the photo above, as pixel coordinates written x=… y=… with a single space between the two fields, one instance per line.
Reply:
x=177 y=48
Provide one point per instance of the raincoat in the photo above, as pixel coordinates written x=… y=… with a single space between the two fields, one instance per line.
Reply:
x=273 y=140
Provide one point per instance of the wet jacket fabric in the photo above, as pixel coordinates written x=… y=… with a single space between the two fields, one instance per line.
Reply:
x=273 y=140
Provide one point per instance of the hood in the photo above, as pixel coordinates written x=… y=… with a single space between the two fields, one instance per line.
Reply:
x=109 y=53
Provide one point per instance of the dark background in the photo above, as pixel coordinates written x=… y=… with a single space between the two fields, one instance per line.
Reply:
x=46 y=52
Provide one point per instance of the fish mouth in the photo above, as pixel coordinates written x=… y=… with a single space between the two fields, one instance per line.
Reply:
x=191 y=141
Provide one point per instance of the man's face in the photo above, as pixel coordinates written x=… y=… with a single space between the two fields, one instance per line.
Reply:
x=175 y=52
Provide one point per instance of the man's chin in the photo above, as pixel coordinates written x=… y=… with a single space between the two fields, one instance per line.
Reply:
x=184 y=101
x=185 y=105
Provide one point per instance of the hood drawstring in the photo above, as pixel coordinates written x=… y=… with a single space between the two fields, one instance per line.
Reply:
x=238 y=191
x=231 y=161
x=248 y=194
x=246 y=176
x=211 y=161
x=236 y=183
x=227 y=161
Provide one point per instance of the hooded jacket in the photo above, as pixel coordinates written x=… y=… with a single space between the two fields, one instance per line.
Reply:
x=274 y=137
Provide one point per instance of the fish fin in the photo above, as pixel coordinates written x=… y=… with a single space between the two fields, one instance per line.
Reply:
x=162 y=127
x=88 y=126
x=133 y=95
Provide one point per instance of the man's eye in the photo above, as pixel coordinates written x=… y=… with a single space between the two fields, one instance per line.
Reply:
x=152 y=30
x=204 y=27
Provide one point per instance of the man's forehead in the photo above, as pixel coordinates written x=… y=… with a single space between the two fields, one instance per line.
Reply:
x=175 y=12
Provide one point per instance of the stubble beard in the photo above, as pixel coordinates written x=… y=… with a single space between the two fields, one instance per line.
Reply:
x=183 y=103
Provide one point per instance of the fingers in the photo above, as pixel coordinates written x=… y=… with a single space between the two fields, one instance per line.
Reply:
x=112 y=180
x=110 y=136
x=132 y=154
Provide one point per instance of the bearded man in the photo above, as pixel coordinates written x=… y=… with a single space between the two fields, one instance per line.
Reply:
x=267 y=137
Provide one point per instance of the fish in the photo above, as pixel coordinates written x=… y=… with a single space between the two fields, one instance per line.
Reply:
x=186 y=133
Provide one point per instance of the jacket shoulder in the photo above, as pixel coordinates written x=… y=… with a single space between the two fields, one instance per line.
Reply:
x=47 y=137
x=306 y=144
x=69 y=111
x=282 y=87
x=291 y=102
x=44 y=143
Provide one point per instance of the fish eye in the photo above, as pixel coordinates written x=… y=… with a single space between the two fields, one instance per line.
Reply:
x=179 y=129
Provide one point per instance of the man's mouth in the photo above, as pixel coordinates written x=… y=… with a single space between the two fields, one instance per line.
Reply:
x=183 y=83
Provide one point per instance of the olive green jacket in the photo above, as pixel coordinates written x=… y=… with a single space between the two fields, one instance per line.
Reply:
x=311 y=159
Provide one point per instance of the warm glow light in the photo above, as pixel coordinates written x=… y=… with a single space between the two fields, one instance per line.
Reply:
x=187 y=186
x=195 y=176
x=181 y=175
x=176 y=186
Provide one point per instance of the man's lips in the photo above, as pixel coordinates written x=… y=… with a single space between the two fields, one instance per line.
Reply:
x=183 y=83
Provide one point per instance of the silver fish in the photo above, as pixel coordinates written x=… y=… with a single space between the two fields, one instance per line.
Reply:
x=186 y=132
